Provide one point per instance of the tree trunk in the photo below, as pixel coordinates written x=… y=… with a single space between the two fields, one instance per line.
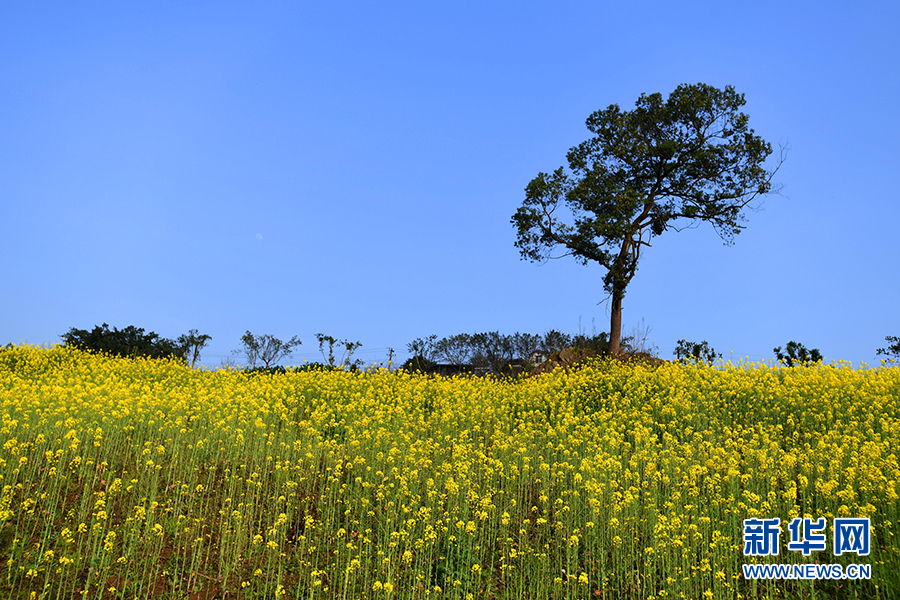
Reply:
x=615 y=322
x=620 y=281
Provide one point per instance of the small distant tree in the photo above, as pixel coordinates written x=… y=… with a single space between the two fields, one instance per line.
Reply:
x=456 y=349
x=893 y=350
x=598 y=342
x=422 y=351
x=694 y=351
x=423 y=347
x=554 y=341
x=525 y=344
x=349 y=349
x=797 y=354
x=492 y=351
x=192 y=343
x=266 y=348
x=130 y=342
x=417 y=364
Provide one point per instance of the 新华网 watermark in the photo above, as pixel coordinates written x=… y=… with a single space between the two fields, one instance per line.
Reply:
x=762 y=537
x=783 y=571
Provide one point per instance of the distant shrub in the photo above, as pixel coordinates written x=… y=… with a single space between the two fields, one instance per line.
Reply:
x=797 y=354
x=599 y=342
x=417 y=364
x=277 y=370
x=696 y=351
x=892 y=351
x=280 y=370
x=130 y=342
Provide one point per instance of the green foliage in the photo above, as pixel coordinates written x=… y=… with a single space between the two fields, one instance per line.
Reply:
x=687 y=351
x=797 y=354
x=667 y=164
x=130 y=342
x=893 y=350
x=266 y=348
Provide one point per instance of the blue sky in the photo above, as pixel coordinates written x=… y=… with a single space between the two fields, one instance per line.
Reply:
x=351 y=168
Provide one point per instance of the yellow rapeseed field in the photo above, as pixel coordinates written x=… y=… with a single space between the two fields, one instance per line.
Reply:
x=147 y=479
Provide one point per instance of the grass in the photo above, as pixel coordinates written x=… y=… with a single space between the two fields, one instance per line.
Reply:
x=146 y=479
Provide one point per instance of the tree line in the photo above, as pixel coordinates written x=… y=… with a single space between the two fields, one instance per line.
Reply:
x=482 y=353
x=493 y=352
x=132 y=342
x=261 y=351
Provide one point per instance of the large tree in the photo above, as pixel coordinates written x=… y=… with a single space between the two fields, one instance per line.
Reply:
x=667 y=164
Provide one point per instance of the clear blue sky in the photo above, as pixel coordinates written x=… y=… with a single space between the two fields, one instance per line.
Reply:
x=351 y=168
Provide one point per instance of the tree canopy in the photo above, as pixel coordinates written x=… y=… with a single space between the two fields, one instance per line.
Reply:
x=666 y=165
x=129 y=342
